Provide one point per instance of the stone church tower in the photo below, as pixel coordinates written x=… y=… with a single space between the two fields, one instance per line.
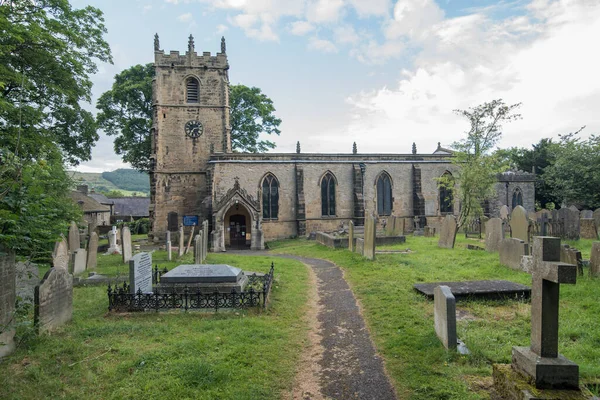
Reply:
x=190 y=122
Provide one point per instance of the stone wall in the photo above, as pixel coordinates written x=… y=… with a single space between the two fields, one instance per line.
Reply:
x=507 y=184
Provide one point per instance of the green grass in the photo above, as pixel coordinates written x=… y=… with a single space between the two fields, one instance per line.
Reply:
x=228 y=355
x=401 y=321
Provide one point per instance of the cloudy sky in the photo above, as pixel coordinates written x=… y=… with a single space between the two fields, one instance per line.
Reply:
x=383 y=73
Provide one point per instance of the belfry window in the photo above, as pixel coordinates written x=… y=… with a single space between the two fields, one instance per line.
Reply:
x=192 y=90
x=328 y=195
x=446 y=194
x=384 y=195
x=270 y=197
x=517 y=198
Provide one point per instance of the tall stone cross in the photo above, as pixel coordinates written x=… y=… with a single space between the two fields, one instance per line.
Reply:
x=542 y=361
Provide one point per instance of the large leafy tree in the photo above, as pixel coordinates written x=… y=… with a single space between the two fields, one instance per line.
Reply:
x=126 y=113
x=47 y=53
x=478 y=166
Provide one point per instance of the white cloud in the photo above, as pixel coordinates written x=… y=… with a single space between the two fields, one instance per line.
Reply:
x=413 y=19
x=322 y=45
x=320 y=11
x=371 y=7
x=373 y=53
x=187 y=17
x=345 y=34
x=147 y=8
x=301 y=28
x=221 y=29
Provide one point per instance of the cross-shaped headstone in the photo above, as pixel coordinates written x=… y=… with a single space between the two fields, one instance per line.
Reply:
x=542 y=361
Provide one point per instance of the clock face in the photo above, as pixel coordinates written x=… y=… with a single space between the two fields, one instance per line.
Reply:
x=193 y=128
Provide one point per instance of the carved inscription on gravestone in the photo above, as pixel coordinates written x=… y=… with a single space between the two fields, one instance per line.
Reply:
x=140 y=273
x=53 y=300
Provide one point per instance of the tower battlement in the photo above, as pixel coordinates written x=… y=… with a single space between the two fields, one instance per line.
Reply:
x=190 y=58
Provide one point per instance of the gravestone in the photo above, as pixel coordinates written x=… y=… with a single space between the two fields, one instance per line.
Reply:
x=504 y=212
x=444 y=316
x=543 y=220
x=7 y=301
x=571 y=255
x=168 y=245
x=92 y=251
x=53 y=300
x=181 y=240
x=585 y=214
x=74 y=241
x=113 y=248
x=494 y=233
x=429 y=231
x=541 y=362
x=511 y=251
x=587 y=228
x=394 y=226
x=205 y=237
x=351 y=236
x=207 y=278
x=447 y=232
x=26 y=279
x=79 y=261
x=597 y=218
x=370 y=233
x=60 y=255
x=118 y=238
x=595 y=260
x=198 y=249
x=519 y=225
x=360 y=246
x=570 y=223
x=573 y=208
x=187 y=248
x=140 y=273
x=126 y=244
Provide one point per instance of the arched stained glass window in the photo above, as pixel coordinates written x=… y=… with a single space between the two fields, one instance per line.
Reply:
x=328 y=195
x=384 y=194
x=270 y=197
x=517 y=198
x=446 y=195
x=192 y=89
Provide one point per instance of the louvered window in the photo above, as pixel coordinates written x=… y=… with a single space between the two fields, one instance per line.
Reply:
x=192 y=90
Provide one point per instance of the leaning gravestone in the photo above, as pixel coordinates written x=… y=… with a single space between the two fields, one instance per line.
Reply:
x=92 y=250
x=351 y=236
x=511 y=252
x=447 y=232
x=370 y=232
x=74 y=241
x=587 y=228
x=595 y=260
x=126 y=244
x=60 y=256
x=504 y=212
x=444 y=316
x=570 y=223
x=53 y=300
x=494 y=233
x=7 y=301
x=140 y=273
x=79 y=261
x=519 y=225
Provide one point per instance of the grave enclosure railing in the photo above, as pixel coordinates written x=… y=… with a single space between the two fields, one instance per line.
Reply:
x=121 y=300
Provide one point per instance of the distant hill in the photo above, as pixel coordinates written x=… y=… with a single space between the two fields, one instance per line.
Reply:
x=127 y=181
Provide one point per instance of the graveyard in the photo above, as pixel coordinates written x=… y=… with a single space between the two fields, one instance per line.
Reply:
x=256 y=353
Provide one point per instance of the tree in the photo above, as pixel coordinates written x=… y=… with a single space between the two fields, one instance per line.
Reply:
x=47 y=52
x=478 y=167
x=126 y=113
x=251 y=114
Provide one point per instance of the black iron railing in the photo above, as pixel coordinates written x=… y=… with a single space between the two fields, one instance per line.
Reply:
x=257 y=295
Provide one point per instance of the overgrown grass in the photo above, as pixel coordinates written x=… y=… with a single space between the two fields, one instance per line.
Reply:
x=168 y=355
x=401 y=321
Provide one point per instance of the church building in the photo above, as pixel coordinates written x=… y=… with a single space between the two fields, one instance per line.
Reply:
x=250 y=198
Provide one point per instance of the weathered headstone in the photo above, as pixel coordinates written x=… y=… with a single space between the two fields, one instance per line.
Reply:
x=597 y=218
x=444 y=316
x=511 y=251
x=541 y=362
x=168 y=245
x=118 y=237
x=53 y=300
x=79 y=261
x=573 y=208
x=351 y=236
x=205 y=237
x=519 y=225
x=429 y=231
x=504 y=212
x=126 y=244
x=198 y=249
x=587 y=228
x=74 y=242
x=571 y=255
x=60 y=256
x=494 y=233
x=595 y=260
x=570 y=223
x=585 y=214
x=447 y=232
x=92 y=251
x=360 y=246
x=113 y=248
x=394 y=226
x=370 y=233
x=7 y=301
x=140 y=273
x=181 y=240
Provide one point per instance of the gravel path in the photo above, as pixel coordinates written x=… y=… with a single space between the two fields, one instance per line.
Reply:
x=349 y=366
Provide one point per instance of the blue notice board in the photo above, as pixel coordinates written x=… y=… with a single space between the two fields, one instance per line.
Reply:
x=190 y=220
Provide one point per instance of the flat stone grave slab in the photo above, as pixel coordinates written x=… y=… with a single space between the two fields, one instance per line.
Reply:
x=202 y=273
x=478 y=289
